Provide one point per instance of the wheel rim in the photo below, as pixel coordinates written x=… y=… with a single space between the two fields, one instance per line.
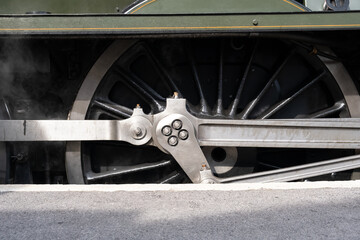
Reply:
x=240 y=68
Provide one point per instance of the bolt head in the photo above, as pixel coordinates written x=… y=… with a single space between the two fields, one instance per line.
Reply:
x=183 y=134
x=177 y=124
x=138 y=132
x=173 y=141
x=166 y=131
x=255 y=22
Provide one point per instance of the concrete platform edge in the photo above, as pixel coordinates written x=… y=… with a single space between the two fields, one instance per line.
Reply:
x=180 y=187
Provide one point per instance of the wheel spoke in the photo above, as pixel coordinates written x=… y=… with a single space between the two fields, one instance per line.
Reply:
x=114 y=109
x=236 y=100
x=165 y=76
x=337 y=107
x=144 y=91
x=91 y=176
x=170 y=179
x=246 y=112
x=203 y=104
x=139 y=82
x=219 y=104
x=268 y=165
x=275 y=108
x=6 y=108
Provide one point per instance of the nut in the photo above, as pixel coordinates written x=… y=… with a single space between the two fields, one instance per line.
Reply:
x=173 y=141
x=177 y=124
x=166 y=130
x=183 y=134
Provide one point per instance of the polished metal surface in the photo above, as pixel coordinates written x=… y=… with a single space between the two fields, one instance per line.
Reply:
x=316 y=133
x=74 y=130
x=222 y=162
x=298 y=133
x=183 y=148
x=296 y=173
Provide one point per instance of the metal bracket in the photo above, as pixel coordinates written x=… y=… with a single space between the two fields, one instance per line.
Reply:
x=175 y=133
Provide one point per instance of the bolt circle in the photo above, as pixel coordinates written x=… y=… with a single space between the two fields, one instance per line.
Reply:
x=173 y=141
x=177 y=124
x=166 y=130
x=183 y=134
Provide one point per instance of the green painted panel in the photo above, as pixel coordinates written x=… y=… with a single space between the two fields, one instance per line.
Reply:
x=215 y=6
x=62 y=6
x=149 y=6
x=171 y=24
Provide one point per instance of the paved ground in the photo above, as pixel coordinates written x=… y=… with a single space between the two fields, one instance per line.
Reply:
x=175 y=213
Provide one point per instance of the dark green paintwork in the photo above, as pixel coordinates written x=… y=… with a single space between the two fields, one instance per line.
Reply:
x=147 y=7
x=286 y=17
x=62 y=6
x=215 y=6
x=140 y=24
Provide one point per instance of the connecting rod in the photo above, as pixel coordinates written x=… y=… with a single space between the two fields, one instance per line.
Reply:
x=177 y=132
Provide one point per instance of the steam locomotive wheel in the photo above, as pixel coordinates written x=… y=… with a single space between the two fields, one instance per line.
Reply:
x=231 y=78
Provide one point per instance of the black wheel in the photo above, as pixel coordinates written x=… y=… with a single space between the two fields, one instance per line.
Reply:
x=227 y=78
